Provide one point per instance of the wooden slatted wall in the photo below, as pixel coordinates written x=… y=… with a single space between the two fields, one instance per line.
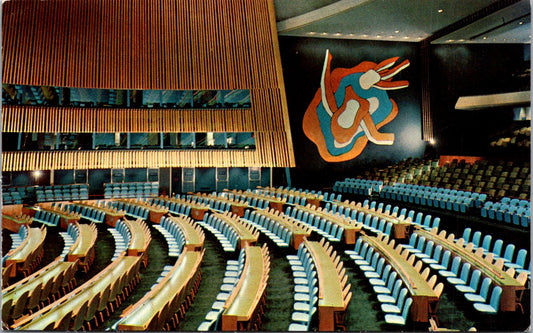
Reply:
x=139 y=44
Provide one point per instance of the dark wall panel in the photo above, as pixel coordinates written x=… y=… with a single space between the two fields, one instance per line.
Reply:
x=238 y=178
x=473 y=69
x=97 y=178
x=63 y=177
x=303 y=59
x=205 y=179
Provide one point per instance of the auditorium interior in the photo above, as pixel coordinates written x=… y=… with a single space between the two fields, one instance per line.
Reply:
x=266 y=165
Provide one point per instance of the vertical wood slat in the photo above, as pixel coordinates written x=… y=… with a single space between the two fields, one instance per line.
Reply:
x=136 y=44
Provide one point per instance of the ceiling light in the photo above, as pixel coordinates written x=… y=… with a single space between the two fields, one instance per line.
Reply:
x=378 y=36
x=397 y=31
x=521 y=22
x=406 y=37
x=450 y=41
x=311 y=33
x=352 y=34
x=440 y=10
x=37 y=174
x=338 y=34
x=324 y=33
x=485 y=37
x=364 y=35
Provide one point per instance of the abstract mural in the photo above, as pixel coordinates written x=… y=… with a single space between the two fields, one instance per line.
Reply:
x=350 y=107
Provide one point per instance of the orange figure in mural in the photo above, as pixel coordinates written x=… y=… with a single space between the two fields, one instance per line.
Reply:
x=351 y=106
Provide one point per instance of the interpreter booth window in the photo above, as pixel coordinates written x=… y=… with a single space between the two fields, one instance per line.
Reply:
x=38 y=141
x=103 y=141
x=74 y=141
x=145 y=141
x=187 y=140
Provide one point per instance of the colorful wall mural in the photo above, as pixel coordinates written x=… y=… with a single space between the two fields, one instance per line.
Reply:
x=350 y=107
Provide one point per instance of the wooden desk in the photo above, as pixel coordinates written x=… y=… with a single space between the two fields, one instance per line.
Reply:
x=247 y=236
x=83 y=249
x=25 y=251
x=49 y=272
x=238 y=209
x=54 y=312
x=155 y=213
x=299 y=230
x=350 y=230
x=421 y=293
x=400 y=228
x=194 y=236
x=248 y=292
x=198 y=212
x=111 y=216
x=508 y=284
x=177 y=283
x=330 y=297
x=13 y=223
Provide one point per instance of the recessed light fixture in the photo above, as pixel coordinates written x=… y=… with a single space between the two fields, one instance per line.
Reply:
x=338 y=34
x=378 y=36
x=521 y=22
x=311 y=33
x=351 y=35
x=324 y=33
x=406 y=37
x=485 y=37
x=440 y=10
x=397 y=31
x=364 y=35
x=450 y=41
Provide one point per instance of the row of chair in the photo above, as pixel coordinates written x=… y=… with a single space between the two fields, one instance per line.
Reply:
x=358 y=186
x=290 y=198
x=135 y=211
x=179 y=208
x=300 y=193
x=249 y=197
x=69 y=238
x=122 y=235
x=517 y=263
x=517 y=212
x=173 y=235
x=46 y=217
x=18 y=237
x=225 y=234
x=278 y=233
x=232 y=275
x=92 y=214
x=38 y=290
x=131 y=190
x=305 y=289
x=326 y=228
x=11 y=198
x=384 y=279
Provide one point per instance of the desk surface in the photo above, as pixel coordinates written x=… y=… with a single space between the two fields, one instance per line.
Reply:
x=341 y=221
x=330 y=289
x=416 y=284
x=56 y=268
x=138 y=237
x=286 y=221
x=246 y=298
x=87 y=238
x=142 y=312
x=245 y=234
x=386 y=217
x=73 y=301
x=496 y=274
x=193 y=236
x=33 y=240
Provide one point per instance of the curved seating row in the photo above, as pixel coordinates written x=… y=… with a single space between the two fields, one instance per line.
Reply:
x=299 y=196
x=495 y=250
x=131 y=190
x=328 y=225
x=62 y=192
x=46 y=217
x=174 y=205
x=88 y=302
x=419 y=285
x=252 y=199
x=333 y=291
x=515 y=211
x=37 y=290
x=463 y=257
x=130 y=209
x=226 y=235
x=245 y=306
x=28 y=255
x=232 y=276
x=279 y=233
x=122 y=235
x=69 y=238
x=173 y=235
x=89 y=213
x=358 y=186
x=169 y=299
x=83 y=250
